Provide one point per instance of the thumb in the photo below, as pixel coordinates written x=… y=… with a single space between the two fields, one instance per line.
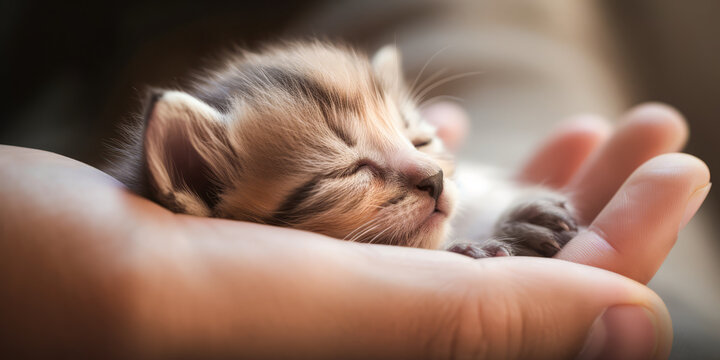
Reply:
x=528 y=308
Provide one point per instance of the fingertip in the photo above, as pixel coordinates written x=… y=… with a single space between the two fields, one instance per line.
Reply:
x=661 y=119
x=656 y=107
x=660 y=318
x=663 y=326
x=450 y=120
x=636 y=229
x=560 y=157
x=582 y=134
x=590 y=125
x=646 y=131
x=446 y=113
x=678 y=167
x=684 y=173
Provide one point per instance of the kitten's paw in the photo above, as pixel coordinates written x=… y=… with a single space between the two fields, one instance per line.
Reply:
x=488 y=248
x=538 y=227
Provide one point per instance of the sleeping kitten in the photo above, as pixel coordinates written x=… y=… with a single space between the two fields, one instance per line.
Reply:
x=320 y=138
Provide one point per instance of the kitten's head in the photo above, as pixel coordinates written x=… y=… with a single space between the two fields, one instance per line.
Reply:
x=308 y=136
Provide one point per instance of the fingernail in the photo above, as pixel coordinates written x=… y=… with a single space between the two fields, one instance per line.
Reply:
x=622 y=332
x=693 y=204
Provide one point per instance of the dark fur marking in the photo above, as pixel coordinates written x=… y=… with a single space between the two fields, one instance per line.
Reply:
x=378 y=171
x=219 y=92
x=291 y=211
x=342 y=134
x=153 y=96
x=330 y=103
x=341 y=172
x=395 y=200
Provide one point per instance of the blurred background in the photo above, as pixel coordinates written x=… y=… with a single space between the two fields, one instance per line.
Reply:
x=72 y=72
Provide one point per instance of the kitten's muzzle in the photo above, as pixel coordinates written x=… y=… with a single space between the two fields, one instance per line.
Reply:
x=432 y=184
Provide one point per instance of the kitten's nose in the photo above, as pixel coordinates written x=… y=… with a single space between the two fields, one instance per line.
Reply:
x=432 y=184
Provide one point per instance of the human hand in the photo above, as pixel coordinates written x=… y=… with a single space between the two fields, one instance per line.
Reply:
x=127 y=275
x=589 y=160
x=638 y=225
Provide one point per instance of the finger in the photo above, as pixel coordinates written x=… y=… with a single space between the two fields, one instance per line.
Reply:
x=561 y=156
x=451 y=122
x=633 y=234
x=647 y=131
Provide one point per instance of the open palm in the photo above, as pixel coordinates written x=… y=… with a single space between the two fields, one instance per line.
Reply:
x=89 y=269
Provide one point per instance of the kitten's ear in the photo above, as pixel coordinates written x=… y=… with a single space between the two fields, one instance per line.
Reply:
x=185 y=143
x=387 y=66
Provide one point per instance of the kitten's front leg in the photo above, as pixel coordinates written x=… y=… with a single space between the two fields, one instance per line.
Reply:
x=479 y=250
x=538 y=225
x=498 y=216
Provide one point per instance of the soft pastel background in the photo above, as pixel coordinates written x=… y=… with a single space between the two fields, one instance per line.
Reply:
x=72 y=71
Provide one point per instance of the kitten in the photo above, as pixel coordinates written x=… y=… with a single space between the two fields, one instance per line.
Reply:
x=320 y=138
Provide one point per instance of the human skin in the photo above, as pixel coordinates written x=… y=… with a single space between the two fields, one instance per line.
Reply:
x=90 y=270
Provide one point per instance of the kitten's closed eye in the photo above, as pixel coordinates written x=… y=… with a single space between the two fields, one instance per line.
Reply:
x=366 y=165
x=418 y=143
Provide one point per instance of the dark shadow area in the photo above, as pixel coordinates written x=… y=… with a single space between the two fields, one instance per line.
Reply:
x=71 y=72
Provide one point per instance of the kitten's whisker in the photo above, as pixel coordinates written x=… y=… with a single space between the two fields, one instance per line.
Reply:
x=362 y=229
x=360 y=235
x=376 y=236
x=429 y=80
x=348 y=236
x=394 y=237
x=422 y=70
x=258 y=220
x=435 y=99
x=445 y=81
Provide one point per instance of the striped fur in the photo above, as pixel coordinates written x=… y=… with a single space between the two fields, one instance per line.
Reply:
x=304 y=135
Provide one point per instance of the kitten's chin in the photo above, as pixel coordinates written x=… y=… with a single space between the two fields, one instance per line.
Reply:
x=433 y=231
x=436 y=226
x=437 y=217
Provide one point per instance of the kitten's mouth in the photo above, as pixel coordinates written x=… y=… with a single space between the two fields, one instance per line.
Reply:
x=426 y=228
x=433 y=221
x=442 y=206
x=439 y=212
